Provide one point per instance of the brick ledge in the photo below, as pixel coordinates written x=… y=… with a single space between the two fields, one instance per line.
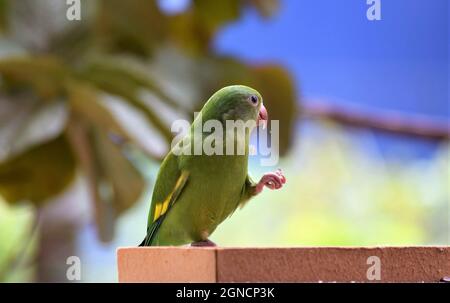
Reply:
x=283 y=264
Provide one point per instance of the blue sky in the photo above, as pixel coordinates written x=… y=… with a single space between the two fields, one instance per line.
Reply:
x=334 y=52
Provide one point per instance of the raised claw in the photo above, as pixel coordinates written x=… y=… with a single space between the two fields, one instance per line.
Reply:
x=273 y=180
x=280 y=173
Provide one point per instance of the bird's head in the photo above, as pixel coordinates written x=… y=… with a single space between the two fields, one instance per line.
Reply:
x=236 y=102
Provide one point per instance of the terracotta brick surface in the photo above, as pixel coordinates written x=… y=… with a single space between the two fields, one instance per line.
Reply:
x=327 y=264
x=166 y=264
x=406 y=264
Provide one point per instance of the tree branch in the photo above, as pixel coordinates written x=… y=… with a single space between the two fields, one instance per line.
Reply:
x=388 y=122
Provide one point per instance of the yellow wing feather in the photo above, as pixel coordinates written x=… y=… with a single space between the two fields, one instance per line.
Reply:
x=162 y=207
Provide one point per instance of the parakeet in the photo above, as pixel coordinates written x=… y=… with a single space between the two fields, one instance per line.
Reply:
x=194 y=193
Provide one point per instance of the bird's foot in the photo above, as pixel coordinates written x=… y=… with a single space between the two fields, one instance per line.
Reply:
x=273 y=180
x=204 y=243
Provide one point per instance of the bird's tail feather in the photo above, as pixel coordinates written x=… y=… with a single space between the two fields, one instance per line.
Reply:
x=143 y=242
x=151 y=232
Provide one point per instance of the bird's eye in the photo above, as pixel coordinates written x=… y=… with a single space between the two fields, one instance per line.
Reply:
x=253 y=100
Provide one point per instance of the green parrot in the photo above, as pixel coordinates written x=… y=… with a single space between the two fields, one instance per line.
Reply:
x=194 y=192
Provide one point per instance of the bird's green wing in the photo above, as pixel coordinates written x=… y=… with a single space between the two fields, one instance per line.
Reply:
x=169 y=184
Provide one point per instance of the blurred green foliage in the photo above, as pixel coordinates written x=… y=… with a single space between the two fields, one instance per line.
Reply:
x=17 y=249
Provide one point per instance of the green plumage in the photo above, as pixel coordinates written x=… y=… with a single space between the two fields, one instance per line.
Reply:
x=201 y=191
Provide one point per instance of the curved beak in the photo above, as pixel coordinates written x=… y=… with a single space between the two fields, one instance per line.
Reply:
x=262 y=116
